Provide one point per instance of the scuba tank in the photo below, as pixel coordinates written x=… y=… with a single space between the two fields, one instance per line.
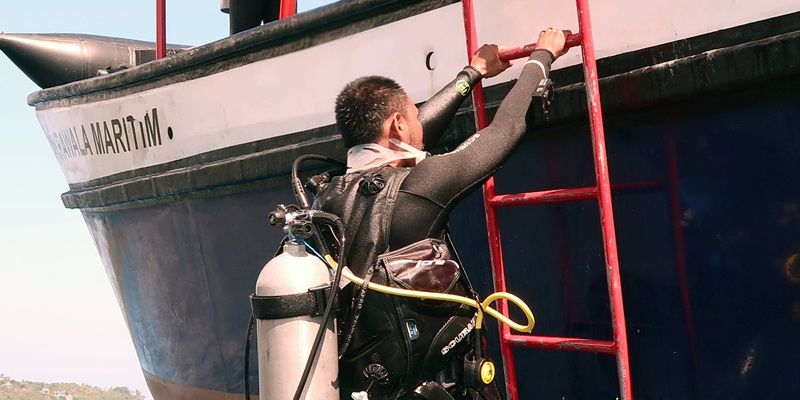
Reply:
x=290 y=288
x=293 y=305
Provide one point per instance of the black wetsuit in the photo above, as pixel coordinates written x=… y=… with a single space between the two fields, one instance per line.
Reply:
x=436 y=184
x=410 y=205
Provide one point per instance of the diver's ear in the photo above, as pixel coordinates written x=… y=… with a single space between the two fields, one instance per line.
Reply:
x=398 y=128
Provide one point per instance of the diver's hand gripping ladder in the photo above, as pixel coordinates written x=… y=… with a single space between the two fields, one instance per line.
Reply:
x=601 y=192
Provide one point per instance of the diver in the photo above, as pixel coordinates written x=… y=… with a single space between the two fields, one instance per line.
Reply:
x=394 y=200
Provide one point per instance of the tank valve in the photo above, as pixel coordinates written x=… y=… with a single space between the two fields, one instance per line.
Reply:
x=277 y=217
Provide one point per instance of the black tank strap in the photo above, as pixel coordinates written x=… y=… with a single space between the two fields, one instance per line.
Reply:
x=310 y=303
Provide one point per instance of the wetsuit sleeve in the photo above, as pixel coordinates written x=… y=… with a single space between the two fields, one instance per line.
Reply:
x=436 y=113
x=445 y=178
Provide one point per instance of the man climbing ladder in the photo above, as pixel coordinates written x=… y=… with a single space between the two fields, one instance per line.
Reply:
x=395 y=199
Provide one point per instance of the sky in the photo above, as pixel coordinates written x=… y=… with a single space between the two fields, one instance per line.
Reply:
x=59 y=319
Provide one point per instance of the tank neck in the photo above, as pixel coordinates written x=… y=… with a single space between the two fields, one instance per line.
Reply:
x=295 y=249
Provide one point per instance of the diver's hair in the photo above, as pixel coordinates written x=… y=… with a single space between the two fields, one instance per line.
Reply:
x=363 y=105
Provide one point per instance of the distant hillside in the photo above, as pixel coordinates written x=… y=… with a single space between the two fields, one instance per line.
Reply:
x=11 y=389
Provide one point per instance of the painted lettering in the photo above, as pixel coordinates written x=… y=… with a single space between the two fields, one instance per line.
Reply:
x=111 y=136
x=107 y=136
x=131 y=120
x=86 y=145
x=116 y=128
x=73 y=137
x=97 y=135
x=153 y=130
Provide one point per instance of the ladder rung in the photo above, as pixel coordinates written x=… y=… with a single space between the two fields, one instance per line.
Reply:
x=562 y=195
x=561 y=343
x=543 y=197
x=524 y=51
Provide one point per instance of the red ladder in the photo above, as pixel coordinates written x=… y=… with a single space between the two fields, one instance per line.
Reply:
x=601 y=192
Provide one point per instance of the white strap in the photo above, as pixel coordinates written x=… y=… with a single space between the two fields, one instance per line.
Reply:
x=539 y=63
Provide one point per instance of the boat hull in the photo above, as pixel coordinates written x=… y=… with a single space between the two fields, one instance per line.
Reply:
x=703 y=147
x=184 y=268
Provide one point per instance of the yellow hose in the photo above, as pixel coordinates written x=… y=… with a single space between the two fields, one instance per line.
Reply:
x=481 y=307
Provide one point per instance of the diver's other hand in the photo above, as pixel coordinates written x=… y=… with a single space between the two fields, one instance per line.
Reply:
x=553 y=40
x=487 y=61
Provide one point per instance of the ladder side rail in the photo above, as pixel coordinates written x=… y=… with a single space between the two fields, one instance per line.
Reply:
x=492 y=228
x=287 y=9
x=161 y=28
x=604 y=196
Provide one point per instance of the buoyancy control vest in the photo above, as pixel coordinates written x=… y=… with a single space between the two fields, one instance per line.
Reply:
x=391 y=344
